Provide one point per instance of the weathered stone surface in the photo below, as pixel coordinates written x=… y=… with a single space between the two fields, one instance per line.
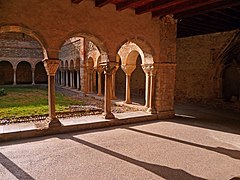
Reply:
x=195 y=65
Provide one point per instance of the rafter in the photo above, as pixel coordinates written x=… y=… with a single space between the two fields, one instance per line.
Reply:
x=158 y=5
x=101 y=3
x=183 y=7
x=208 y=8
x=76 y=1
x=131 y=3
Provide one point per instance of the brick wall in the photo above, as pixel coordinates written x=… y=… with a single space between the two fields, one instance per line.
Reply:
x=195 y=56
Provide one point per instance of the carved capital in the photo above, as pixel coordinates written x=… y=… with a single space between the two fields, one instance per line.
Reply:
x=108 y=67
x=128 y=68
x=51 y=66
x=149 y=69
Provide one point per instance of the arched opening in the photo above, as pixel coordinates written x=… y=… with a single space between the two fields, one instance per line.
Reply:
x=40 y=74
x=6 y=73
x=81 y=48
x=133 y=62
x=20 y=46
x=138 y=83
x=24 y=73
x=231 y=80
x=120 y=82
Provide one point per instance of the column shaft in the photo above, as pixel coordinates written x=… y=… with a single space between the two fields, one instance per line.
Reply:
x=128 y=89
x=147 y=87
x=33 y=76
x=99 y=84
x=78 y=80
x=14 y=76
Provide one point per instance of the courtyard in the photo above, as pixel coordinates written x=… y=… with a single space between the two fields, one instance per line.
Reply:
x=199 y=143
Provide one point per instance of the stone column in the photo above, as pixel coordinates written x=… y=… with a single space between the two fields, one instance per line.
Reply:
x=99 y=71
x=14 y=76
x=108 y=68
x=78 y=79
x=151 y=109
x=128 y=69
x=113 y=95
x=67 y=83
x=71 y=78
x=62 y=77
x=33 y=76
x=51 y=66
x=147 y=68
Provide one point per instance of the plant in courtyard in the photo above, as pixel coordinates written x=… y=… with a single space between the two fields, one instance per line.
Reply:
x=2 y=92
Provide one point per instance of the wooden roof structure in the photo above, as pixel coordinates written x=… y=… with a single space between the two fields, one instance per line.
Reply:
x=195 y=17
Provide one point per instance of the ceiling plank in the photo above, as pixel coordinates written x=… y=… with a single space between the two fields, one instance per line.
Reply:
x=208 y=8
x=131 y=3
x=158 y=5
x=183 y=7
x=101 y=3
x=76 y=1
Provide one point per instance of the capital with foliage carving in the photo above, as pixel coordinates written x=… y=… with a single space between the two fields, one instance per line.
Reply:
x=51 y=66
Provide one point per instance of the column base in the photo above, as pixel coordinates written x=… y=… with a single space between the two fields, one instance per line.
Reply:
x=151 y=110
x=108 y=115
x=114 y=98
x=166 y=114
x=128 y=102
x=54 y=122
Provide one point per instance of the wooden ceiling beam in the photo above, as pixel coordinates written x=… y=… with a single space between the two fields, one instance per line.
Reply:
x=183 y=7
x=101 y=3
x=131 y=3
x=76 y=1
x=158 y=5
x=206 y=9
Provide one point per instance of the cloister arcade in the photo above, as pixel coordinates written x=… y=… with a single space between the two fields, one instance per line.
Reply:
x=83 y=71
x=104 y=52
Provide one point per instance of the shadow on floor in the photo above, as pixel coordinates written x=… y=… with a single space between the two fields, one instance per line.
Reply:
x=162 y=171
x=228 y=152
x=14 y=169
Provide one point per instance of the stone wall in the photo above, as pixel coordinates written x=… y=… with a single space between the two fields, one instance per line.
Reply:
x=20 y=53
x=195 y=65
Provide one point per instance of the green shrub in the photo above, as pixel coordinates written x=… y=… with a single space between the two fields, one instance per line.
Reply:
x=2 y=92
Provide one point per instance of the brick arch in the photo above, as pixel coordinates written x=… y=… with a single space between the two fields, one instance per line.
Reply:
x=24 y=73
x=6 y=72
x=40 y=74
x=130 y=50
x=27 y=31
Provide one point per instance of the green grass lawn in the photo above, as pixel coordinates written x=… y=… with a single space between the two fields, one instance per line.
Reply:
x=31 y=100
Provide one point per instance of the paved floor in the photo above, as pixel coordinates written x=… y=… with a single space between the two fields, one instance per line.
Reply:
x=198 y=144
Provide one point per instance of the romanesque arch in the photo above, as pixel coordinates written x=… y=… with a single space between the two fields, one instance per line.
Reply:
x=40 y=74
x=27 y=31
x=130 y=53
x=6 y=72
x=226 y=64
x=24 y=73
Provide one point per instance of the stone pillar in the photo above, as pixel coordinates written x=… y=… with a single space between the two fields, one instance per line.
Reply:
x=78 y=79
x=128 y=69
x=67 y=83
x=33 y=76
x=151 y=109
x=99 y=80
x=108 y=68
x=62 y=77
x=71 y=79
x=14 y=76
x=166 y=68
x=147 y=68
x=51 y=66
x=113 y=95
